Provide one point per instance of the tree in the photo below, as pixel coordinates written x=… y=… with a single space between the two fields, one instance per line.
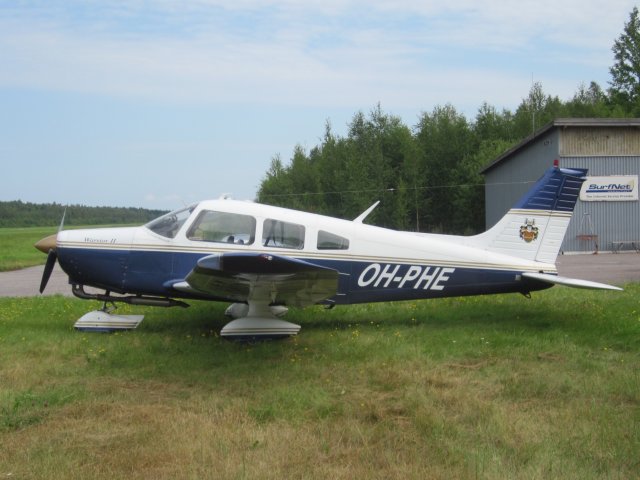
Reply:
x=378 y=147
x=535 y=111
x=589 y=102
x=625 y=72
x=276 y=185
x=427 y=178
x=493 y=125
x=445 y=139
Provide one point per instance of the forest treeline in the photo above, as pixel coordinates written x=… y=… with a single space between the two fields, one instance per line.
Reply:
x=24 y=214
x=427 y=176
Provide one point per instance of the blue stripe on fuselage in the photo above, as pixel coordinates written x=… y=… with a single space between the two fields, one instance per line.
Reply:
x=149 y=273
x=99 y=268
x=381 y=282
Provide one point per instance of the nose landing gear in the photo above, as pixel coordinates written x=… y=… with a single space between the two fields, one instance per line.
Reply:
x=105 y=321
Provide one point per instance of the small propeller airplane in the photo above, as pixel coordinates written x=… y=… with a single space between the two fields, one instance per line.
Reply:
x=263 y=259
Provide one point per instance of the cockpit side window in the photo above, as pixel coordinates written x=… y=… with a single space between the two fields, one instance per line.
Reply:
x=276 y=233
x=223 y=227
x=331 y=241
x=168 y=225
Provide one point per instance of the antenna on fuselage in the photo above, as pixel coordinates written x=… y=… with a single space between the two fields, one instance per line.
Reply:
x=366 y=213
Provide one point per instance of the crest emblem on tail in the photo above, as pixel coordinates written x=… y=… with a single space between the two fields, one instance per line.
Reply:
x=529 y=231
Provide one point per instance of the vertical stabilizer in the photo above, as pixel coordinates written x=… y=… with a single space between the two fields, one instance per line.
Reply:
x=536 y=225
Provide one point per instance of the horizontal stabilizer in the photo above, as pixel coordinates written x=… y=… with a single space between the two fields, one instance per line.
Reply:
x=569 y=282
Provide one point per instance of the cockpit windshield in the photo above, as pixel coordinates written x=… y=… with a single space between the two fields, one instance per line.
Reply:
x=169 y=224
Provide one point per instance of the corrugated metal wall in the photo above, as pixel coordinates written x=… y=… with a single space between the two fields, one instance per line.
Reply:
x=604 y=151
x=611 y=221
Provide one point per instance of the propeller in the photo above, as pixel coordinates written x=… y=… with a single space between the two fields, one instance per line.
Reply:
x=48 y=245
x=52 y=257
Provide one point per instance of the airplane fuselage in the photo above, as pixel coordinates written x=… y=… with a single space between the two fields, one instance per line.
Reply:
x=262 y=258
x=374 y=264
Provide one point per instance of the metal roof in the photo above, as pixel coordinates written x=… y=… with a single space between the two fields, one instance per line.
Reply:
x=563 y=123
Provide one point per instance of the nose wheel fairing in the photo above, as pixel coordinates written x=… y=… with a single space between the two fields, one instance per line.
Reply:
x=103 y=321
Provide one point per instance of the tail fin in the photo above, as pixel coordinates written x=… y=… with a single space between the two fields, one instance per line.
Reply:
x=535 y=227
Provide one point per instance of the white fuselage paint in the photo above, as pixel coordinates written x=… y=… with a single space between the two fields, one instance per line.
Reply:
x=395 y=259
x=367 y=243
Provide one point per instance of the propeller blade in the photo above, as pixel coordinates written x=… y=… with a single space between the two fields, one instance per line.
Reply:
x=64 y=214
x=48 y=245
x=48 y=268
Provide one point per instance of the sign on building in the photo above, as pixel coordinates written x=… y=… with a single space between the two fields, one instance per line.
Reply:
x=620 y=188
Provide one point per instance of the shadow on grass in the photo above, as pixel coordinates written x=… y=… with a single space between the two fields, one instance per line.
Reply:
x=440 y=315
x=563 y=309
x=559 y=310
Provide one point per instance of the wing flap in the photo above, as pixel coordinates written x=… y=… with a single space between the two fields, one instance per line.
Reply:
x=569 y=282
x=277 y=279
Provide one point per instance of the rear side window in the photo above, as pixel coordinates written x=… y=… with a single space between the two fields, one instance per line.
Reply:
x=223 y=227
x=331 y=241
x=282 y=234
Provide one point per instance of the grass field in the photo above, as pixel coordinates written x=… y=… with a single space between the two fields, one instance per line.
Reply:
x=483 y=387
x=16 y=247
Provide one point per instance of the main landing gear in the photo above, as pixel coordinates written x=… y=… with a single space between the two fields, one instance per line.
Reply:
x=257 y=321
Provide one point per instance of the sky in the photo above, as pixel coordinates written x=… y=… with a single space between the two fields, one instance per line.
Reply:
x=161 y=103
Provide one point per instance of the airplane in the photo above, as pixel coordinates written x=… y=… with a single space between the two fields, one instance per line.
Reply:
x=264 y=259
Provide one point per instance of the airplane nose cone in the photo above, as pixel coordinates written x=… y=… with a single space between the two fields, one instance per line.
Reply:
x=47 y=243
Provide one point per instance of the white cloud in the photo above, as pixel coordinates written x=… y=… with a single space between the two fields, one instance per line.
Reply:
x=246 y=63
x=301 y=53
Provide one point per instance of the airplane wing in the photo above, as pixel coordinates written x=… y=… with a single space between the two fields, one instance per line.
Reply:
x=254 y=276
x=569 y=282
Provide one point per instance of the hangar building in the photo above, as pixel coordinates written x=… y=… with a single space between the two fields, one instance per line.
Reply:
x=607 y=215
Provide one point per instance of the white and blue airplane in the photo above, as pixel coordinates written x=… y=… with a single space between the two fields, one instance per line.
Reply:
x=263 y=258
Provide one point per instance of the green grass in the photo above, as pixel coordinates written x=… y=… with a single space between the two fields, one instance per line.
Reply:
x=483 y=387
x=16 y=247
